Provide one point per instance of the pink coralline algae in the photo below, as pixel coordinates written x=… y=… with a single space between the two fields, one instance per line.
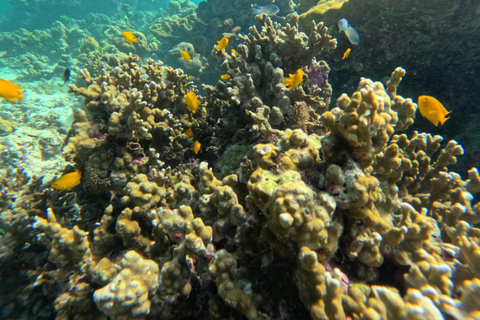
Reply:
x=138 y=159
x=316 y=75
x=101 y=133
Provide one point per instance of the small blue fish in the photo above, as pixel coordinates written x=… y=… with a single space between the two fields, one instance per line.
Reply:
x=269 y=9
x=350 y=32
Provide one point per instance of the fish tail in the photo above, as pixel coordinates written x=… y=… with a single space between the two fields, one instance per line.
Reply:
x=256 y=10
x=445 y=118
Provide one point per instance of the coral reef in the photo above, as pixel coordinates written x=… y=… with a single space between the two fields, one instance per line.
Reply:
x=312 y=211
x=246 y=112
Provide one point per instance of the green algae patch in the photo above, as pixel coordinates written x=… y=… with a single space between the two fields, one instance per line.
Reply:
x=229 y=162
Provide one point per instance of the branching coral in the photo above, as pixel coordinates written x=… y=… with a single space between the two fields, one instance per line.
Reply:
x=263 y=60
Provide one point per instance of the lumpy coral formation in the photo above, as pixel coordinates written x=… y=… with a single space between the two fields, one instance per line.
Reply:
x=331 y=212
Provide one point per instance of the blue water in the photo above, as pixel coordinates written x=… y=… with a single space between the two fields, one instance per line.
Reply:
x=33 y=15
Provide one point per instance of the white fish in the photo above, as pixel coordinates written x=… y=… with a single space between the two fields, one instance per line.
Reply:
x=350 y=32
x=269 y=9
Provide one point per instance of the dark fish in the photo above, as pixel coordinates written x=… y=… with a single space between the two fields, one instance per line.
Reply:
x=66 y=75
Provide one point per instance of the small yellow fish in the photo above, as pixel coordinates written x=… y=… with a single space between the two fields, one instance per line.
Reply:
x=185 y=55
x=10 y=91
x=192 y=101
x=294 y=80
x=346 y=53
x=225 y=76
x=432 y=109
x=89 y=40
x=67 y=181
x=222 y=44
x=129 y=37
x=196 y=147
x=190 y=77
x=234 y=52
x=189 y=133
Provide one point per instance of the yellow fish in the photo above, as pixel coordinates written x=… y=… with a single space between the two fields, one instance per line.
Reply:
x=225 y=76
x=185 y=55
x=190 y=77
x=346 y=53
x=196 y=147
x=67 y=181
x=294 y=80
x=222 y=44
x=10 y=91
x=129 y=37
x=234 y=52
x=189 y=133
x=192 y=101
x=432 y=109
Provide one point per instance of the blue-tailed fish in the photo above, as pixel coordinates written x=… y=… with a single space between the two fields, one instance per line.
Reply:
x=432 y=109
x=350 y=32
x=67 y=181
x=269 y=9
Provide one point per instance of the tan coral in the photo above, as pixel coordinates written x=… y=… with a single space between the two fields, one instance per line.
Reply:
x=365 y=121
x=319 y=290
x=180 y=225
x=142 y=194
x=129 y=292
x=175 y=278
x=68 y=246
x=223 y=268
x=130 y=231
x=292 y=211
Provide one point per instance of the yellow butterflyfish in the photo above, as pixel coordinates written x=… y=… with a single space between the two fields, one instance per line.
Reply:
x=225 y=76
x=294 y=80
x=185 y=55
x=346 y=53
x=67 y=181
x=221 y=44
x=192 y=101
x=10 y=91
x=196 y=147
x=129 y=37
x=432 y=109
x=234 y=52
x=189 y=133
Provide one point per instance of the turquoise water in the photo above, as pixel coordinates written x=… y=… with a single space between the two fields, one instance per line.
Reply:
x=148 y=172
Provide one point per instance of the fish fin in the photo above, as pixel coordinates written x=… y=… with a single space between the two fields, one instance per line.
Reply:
x=256 y=10
x=445 y=118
